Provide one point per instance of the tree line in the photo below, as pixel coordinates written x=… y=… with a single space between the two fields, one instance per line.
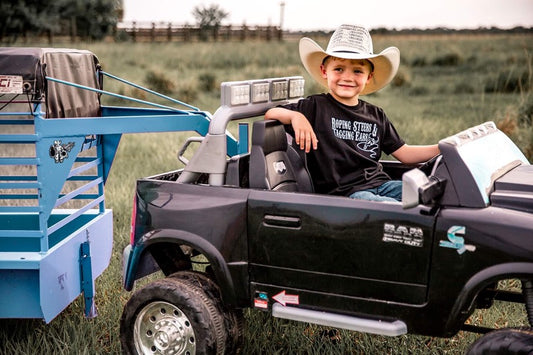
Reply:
x=86 y=19
x=96 y=19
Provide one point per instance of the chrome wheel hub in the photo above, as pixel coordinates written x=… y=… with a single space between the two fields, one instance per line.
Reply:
x=162 y=328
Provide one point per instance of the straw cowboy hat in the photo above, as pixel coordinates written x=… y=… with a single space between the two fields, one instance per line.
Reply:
x=351 y=42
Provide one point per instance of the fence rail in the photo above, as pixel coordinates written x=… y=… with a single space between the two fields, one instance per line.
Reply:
x=168 y=32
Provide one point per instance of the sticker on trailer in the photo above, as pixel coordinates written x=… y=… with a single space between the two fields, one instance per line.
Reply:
x=59 y=152
x=11 y=84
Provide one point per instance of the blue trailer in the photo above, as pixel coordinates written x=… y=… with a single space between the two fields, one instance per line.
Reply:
x=57 y=145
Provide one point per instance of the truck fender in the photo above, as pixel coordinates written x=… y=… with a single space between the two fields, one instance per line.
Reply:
x=180 y=237
x=466 y=299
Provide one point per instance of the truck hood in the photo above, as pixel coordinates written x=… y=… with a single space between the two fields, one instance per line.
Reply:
x=514 y=190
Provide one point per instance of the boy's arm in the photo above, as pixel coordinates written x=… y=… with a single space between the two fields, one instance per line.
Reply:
x=412 y=154
x=304 y=135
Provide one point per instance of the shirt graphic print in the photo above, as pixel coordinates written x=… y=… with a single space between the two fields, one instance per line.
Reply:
x=364 y=134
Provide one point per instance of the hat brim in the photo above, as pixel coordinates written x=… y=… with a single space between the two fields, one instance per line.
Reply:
x=385 y=63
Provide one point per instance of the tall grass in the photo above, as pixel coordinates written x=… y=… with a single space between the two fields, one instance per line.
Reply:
x=444 y=89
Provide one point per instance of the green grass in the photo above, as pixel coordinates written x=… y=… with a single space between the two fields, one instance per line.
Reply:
x=443 y=91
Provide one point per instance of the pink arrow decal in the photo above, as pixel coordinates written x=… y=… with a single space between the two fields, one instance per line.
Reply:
x=284 y=298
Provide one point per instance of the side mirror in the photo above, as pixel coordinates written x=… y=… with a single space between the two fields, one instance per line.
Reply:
x=418 y=188
x=412 y=180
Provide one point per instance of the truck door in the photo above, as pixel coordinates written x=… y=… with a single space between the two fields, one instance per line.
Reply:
x=317 y=244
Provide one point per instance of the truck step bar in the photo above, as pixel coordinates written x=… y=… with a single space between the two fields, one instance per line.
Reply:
x=364 y=325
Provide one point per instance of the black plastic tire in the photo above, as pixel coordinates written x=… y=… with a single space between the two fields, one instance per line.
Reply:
x=509 y=341
x=233 y=318
x=172 y=314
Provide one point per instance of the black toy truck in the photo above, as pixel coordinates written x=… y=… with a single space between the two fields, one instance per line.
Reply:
x=269 y=242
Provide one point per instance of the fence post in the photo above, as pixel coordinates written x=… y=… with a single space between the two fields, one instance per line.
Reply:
x=186 y=34
x=227 y=35
x=169 y=32
x=243 y=32
x=133 y=30
x=152 y=32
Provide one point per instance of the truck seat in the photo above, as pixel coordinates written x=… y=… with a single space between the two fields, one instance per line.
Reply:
x=274 y=164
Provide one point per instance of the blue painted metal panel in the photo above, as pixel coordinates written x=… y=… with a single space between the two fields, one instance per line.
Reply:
x=110 y=144
x=52 y=172
x=20 y=294
x=20 y=261
x=243 y=138
x=60 y=279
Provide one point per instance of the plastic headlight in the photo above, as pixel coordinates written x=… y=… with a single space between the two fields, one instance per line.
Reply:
x=279 y=90
x=296 y=88
x=240 y=94
x=260 y=92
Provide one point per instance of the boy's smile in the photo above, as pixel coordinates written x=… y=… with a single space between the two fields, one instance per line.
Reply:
x=346 y=78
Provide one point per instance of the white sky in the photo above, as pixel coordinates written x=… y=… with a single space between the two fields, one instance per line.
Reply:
x=328 y=15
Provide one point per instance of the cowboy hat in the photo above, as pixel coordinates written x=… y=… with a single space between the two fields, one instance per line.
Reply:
x=351 y=42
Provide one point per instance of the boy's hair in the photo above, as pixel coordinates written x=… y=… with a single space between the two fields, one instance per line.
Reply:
x=328 y=57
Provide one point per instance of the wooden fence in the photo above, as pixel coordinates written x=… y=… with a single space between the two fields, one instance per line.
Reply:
x=168 y=32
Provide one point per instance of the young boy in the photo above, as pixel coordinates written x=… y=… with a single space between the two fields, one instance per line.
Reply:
x=342 y=134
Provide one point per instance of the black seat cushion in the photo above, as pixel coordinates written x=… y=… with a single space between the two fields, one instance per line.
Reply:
x=274 y=165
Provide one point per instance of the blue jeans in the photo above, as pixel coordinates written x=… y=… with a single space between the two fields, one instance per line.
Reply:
x=389 y=191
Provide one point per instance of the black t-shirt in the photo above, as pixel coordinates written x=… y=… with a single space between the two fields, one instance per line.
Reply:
x=350 y=142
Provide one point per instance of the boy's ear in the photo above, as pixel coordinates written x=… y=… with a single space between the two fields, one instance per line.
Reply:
x=370 y=76
x=323 y=71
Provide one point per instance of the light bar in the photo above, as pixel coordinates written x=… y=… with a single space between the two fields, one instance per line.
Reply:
x=263 y=91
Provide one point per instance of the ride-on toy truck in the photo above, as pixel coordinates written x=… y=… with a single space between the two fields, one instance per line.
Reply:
x=245 y=230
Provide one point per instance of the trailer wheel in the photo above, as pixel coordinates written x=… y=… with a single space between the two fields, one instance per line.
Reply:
x=509 y=341
x=233 y=318
x=170 y=316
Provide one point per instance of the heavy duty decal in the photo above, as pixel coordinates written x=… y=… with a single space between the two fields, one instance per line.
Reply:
x=456 y=240
x=60 y=151
x=412 y=236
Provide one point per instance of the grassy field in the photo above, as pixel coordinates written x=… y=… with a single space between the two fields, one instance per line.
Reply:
x=445 y=84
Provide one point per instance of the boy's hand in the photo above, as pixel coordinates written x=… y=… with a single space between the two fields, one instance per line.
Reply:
x=304 y=135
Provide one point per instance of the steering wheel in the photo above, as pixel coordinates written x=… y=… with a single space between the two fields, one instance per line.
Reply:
x=430 y=166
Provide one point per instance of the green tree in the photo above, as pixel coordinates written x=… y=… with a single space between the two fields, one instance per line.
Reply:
x=89 y=19
x=21 y=17
x=209 y=18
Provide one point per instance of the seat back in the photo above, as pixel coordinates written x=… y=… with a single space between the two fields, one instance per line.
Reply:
x=274 y=165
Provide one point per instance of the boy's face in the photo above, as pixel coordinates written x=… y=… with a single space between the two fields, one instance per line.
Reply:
x=346 y=78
